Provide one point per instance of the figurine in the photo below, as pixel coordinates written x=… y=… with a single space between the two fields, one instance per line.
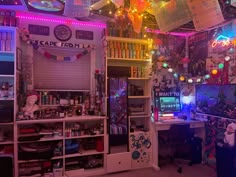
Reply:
x=230 y=134
x=31 y=105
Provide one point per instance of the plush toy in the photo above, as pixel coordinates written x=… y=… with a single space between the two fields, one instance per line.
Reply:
x=230 y=134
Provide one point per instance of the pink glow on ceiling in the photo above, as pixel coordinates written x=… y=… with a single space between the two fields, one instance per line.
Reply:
x=32 y=17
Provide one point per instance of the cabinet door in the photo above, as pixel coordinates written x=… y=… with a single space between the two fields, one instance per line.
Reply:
x=118 y=115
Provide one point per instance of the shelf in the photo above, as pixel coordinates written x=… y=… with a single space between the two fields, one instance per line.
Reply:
x=84 y=118
x=84 y=153
x=138 y=78
x=58 y=90
x=43 y=140
x=7 y=52
x=39 y=160
x=84 y=136
x=138 y=97
x=137 y=132
x=39 y=121
x=130 y=40
x=66 y=119
x=4 y=75
x=7 y=123
x=49 y=105
x=127 y=59
x=139 y=116
x=6 y=142
x=85 y=172
x=6 y=99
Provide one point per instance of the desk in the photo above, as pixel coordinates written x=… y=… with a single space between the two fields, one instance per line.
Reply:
x=197 y=125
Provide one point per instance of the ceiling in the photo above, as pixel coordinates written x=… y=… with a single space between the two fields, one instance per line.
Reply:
x=106 y=12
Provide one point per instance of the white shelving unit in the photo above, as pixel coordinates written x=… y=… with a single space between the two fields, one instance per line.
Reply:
x=8 y=91
x=87 y=125
x=134 y=54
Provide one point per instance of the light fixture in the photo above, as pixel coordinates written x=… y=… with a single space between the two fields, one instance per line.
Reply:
x=214 y=71
x=170 y=70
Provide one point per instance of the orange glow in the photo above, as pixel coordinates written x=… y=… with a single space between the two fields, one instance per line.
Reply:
x=214 y=71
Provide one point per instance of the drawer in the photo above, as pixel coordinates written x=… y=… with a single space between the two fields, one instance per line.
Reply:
x=162 y=127
x=197 y=124
x=118 y=162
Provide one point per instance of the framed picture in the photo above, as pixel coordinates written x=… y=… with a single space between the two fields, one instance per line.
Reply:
x=18 y=58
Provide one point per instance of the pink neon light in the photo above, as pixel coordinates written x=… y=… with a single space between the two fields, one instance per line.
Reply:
x=30 y=17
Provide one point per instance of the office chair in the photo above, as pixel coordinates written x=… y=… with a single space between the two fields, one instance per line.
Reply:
x=180 y=144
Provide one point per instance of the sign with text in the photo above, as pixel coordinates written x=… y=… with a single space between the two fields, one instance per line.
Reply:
x=167 y=101
x=39 y=30
x=80 y=34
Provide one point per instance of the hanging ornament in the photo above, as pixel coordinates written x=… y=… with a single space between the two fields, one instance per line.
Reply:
x=135 y=13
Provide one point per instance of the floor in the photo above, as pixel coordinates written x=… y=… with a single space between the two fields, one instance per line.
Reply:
x=168 y=171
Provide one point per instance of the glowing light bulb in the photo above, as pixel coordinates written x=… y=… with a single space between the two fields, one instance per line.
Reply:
x=227 y=58
x=221 y=66
x=175 y=75
x=165 y=65
x=181 y=78
x=214 y=71
x=207 y=76
x=190 y=80
x=199 y=80
x=170 y=70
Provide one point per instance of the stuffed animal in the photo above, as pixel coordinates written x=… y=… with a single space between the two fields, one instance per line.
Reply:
x=230 y=134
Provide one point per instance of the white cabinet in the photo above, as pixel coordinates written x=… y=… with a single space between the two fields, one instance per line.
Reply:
x=9 y=77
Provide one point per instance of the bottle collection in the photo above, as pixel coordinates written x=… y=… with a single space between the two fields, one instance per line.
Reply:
x=60 y=104
x=8 y=18
x=6 y=39
x=137 y=71
x=126 y=50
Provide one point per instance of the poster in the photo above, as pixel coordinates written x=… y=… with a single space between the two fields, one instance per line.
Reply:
x=205 y=13
x=172 y=14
